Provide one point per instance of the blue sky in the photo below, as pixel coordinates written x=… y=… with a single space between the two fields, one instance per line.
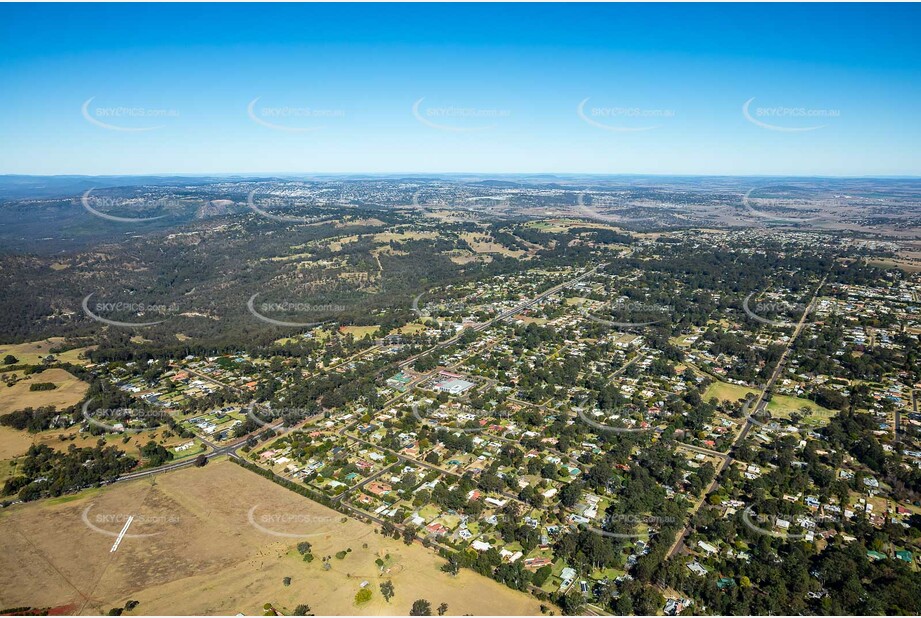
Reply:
x=237 y=88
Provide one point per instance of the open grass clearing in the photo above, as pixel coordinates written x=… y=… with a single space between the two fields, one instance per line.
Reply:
x=206 y=558
x=32 y=352
x=69 y=391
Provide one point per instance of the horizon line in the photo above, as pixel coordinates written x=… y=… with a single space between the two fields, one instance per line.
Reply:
x=483 y=174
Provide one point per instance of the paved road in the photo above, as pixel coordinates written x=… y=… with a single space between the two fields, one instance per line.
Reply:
x=216 y=451
x=507 y=313
x=231 y=449
x=700 y=449
x=205 y=376
x=899 y=422
x=758 y=407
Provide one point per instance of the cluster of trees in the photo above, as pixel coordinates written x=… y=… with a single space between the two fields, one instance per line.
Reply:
x=204 y=278
x=46 y=472
x=31 y=419
x=155 y=454
x=42 y=386
x=852 y=432
x=421 y=607
x=790 y=575
x=295 y=487
x=793 y=578
x=819 y=354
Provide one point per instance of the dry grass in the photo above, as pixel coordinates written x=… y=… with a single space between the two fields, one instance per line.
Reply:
x=384 y=238
x=727 y=392
x=483 y=243
x=412 y=328
x=564 y=225
x=371 y=222
x=14 y=443
x=467 y=258
x=783 y=406
x=69 y=391
x=359 y=332
x=32 y=352
x=206 y=558
x=906 y=265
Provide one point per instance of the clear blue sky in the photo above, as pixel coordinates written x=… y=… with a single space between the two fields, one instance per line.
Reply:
x=501 y=87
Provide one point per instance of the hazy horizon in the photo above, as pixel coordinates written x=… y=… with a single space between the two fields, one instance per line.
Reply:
x=692 y=90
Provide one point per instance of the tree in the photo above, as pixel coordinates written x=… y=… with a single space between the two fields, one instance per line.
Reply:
x=9 y=359
x=623 y=606
x=452 y=566
x=571 y=604
x=387 y=590
x=541 y=575
x=648 y=601
x=155 y=454
x=442 y=609
x=421 y=607
x=200 y=461
x=363 y=596
x=302 y=610
x=571 y=494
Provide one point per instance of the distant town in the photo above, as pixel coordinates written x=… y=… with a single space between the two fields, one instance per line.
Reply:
x=672 y=402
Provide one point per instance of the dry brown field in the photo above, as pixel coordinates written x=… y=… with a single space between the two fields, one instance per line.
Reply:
x=207 y=541
x=32 y=352
x=69 y=391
